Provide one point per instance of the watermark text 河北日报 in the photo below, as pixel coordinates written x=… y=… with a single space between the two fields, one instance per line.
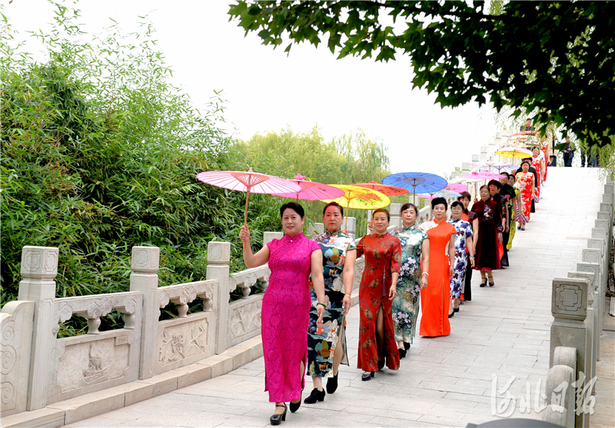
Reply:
x=504 y=403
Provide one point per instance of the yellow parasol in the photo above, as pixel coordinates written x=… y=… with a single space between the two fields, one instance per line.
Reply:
x=360 y=198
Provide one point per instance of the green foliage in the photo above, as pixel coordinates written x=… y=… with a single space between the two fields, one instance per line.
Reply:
x=554 y=59
x=100 y=153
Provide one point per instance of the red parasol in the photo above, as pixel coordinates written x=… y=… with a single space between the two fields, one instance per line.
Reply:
x=384 y=189
x=249 y=182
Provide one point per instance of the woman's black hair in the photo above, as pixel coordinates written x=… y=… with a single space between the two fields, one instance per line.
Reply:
x=407 y=205
x=496 y=183
x=438 y=201
x=527 y=161
x=465 y=194
x=382 y=210
x=456 y=204
x=293 y=206
x=333 y=204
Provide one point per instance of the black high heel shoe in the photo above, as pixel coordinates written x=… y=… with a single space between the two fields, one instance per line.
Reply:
x=380 y=365
x=402 y=352
x=332 y=384
x=277 y=419
x=315 y=396
x=367 y=376
x=483 y=284
x=406 y=346
x=295 y=406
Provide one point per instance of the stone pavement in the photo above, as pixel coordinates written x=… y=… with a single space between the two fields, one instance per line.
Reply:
x=500 y=339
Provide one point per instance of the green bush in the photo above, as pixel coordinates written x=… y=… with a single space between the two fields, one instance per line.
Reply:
x=100 y=153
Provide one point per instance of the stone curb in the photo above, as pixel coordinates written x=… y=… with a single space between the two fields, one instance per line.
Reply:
x=90 y=405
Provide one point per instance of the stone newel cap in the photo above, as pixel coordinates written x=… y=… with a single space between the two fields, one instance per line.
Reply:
x=569 y=298
x=145 y=259
x=39 y=262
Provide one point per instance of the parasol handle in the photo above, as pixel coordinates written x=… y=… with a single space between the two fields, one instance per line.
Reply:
x=245 y=215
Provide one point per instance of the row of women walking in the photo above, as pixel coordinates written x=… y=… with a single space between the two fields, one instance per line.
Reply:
x=311 y=282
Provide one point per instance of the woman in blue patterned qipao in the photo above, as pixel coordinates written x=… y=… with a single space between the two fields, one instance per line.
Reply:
x=414 y=244
x=463 y=240
x=327 y=341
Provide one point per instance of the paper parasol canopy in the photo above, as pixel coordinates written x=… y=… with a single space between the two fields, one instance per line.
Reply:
x=514 y=152
x=249 y=182
x=383 y=188
x=361 y=198
x=311 y=190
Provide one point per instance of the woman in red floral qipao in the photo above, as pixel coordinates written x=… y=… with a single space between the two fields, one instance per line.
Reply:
x=382 y=251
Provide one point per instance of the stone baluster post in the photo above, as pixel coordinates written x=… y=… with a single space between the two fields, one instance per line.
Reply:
x=39 y=267
x=600 y=244
x=270 y=236
x=595 y=286
x=569 y=309
x=394 y=210
x=351 y=226
x=145 y=262
x=591 y=321
x=218 y=259
x=561 y=373
x=465 y=167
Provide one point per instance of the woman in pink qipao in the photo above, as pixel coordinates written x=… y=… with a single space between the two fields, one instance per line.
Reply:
x=286 y=306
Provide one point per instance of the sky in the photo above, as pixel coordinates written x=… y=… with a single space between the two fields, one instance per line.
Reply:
x=269 y=90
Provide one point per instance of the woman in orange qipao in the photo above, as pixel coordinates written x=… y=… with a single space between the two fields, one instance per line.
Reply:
x=382 y=251
x=435 y=298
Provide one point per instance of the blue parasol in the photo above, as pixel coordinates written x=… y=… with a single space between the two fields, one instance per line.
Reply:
x=416 y=182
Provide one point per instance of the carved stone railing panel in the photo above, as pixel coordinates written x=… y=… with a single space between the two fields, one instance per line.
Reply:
x=98 y=360
x=247 y=278
x=184 y=294
x=188 y=338
x=359 y=266
x=183 y=341
x=16 y=322
x=245 y=318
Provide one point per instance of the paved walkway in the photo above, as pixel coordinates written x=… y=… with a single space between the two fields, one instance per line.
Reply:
x=502 y=334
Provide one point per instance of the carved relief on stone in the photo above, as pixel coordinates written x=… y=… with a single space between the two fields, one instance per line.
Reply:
x=95 y=371
x=591 y=255
x=8 y=393
x=145 y=259
x=8 y=359
x=569 y=298
x=218 y=253
x=39 y=262
x=182 y=341
x=245 y=319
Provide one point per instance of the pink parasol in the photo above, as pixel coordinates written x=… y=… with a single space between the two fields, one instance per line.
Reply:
x=311 y=191
x=249 y=182
x=456 y=187
x=476 y=176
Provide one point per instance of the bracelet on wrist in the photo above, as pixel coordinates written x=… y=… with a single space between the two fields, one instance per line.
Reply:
x=348 y=294
x=322 y=304
x=425 y=273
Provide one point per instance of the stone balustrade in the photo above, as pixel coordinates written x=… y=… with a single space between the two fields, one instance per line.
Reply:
x=40 y=369
x=578 y=304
